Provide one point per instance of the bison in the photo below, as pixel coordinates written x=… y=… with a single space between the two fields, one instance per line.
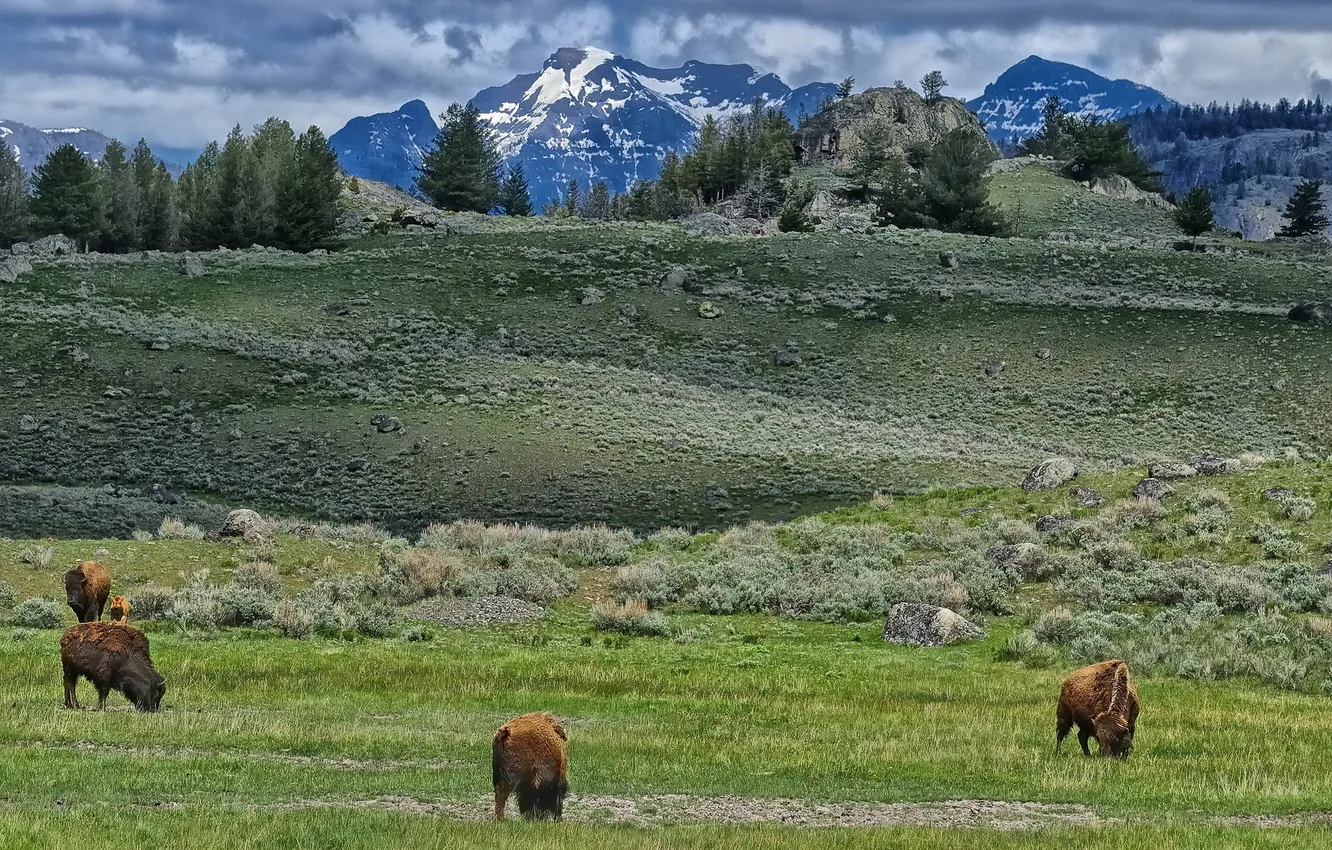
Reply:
x=86 y=589
x=1102 y=701
x=120 y=608
x=111 y=656
x=529 y=760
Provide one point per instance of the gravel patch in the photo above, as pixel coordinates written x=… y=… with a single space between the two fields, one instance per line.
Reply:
x=672 y=809
x=291 y=759
x=472 y=613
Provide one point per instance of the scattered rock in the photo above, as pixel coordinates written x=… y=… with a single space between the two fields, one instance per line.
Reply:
x=708 y=310
x=1087 y=497
x=591 y=295
x=995 y=369
x=786 y=356
x=358 y=464
x=1279 y=494
x=242 y=523
x=29 y=424
x=115 y=392
x=386 y=424
x=927 y=625
x=945 y=295
x=675 y=279
x=1050 y=522
x=1123 y=189
x=1211 y=465
x=1170 y=470
x=472 y=613
x=58 y=245
x=191 y=266
x=1050 y=474
x=1044 y=354
x=1013 y=555
x=162 y=494
x=1314 y=312
x=949 y=260
x=159 y=345
x=628 y=312
x=1152 y=488
x=14 y=268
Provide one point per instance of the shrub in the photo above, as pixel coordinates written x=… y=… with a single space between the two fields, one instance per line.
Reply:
x=38 y=614
x=173 y=528
x=1018 y=646
x=881 y=500
x=1055 y=626
x=410 y=574
x=7 y=595
x=258 y=575
x=37 y=557
x=534 y=578
x=417 y=633
x=21 y=634
x=595 y=545
x=141 y=536
x=153 y=602
x=196 y=604
x=1299 y=508
x=630 y=618
x=245 y=606
x=671 y=539
x=293 y=620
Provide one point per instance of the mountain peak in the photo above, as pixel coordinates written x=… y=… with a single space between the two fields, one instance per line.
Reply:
x=570 y=59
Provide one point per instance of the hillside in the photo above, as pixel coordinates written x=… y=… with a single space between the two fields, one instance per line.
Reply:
x=33 y=146
x=561 y=373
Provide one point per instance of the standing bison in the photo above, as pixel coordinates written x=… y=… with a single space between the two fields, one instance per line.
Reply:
x=120 y=608
x=86 y=589
x=1102 y=701
x=111 y=656
x=529 y=760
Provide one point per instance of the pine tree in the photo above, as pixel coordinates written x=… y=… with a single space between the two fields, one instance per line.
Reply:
x=67 y=197
x=306 y=205
x=1051 y=140
x=955 y=186
x=462 y=172
x=515 y=195
x=120 y=227
x=846 y=87
x=13 y=198
x=237 y=199
x=1306 y=212
x=274 y=146
x=932 y=87
x=1194 y=215
x=597 y=206
x=573 y=199
x=872 y=154
x=196 y=201
x=155 y=200
x=900 y=200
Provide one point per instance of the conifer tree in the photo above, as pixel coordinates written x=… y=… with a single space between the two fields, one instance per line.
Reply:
x=236 y=201
x=597 y=207
x=67 y=197
x=462 y=171
x=308 y=193
x=515 y=196
x=154 y=193
x=274 y=144
x=1306 y=212
x=846 y=87
x=196 y=198
x=900 y=200
x=119 y=229
x=573 y=199
x=955 y=187
x=932 y=87
x=1194 y=214
x=13 y=198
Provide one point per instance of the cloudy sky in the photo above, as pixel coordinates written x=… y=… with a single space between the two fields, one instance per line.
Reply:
x=182 y=72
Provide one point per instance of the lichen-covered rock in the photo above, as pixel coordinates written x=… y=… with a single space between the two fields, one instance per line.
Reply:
x=927 y=625
x=1087 y=497
x=386 y=424
x=675 y=279
x=1278 y=494
x=1019 y=555
x=1051 y=522
x=1211 y=465
x=1171 y=470
x=1152 y=488
x=708 y=310
x=1050 y=474
x=191 y=266
x=242 y=523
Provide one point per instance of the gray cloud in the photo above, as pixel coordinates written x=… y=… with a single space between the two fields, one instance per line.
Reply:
x=182 y=71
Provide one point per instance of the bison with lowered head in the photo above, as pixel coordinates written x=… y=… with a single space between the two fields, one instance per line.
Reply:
x=111 y=656
x=1103 y=702
x=529 y=760
x=86 y=589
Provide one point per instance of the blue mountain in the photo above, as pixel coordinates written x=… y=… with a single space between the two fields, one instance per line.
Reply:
x=587 y=115
x=1011 y=105
x=387 y=147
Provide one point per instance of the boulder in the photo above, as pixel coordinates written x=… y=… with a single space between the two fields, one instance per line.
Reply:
x=1088 y=497
x=1170 y=470
x=1123 y=189
x=675 y=279
x=949 y=260
x=14 y=268
x=786 y=356
x=386 y=424
x=1152 y=488
x=242 y=523
x=1044 y=354
x=591 y=295
x=628 y=312
x=1210 y=465
x=191 y=266
x=1050 y=474
x=54 y=246
x=1278 y=494
x=1013 y=555
x=1325 y=569
x=927 y=625
x=162 y=494
x=1314 y=312
x=708 y=310
x=1051 y=522
x=995 y=368
x=29 y=424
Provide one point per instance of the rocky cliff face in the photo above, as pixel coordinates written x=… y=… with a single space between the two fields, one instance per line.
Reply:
x=832 y=136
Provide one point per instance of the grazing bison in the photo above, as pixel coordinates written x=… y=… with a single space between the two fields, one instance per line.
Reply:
x=120 y=608
x=86 y=589
x=1102 y=701
x=111 y=656
x=529 y=760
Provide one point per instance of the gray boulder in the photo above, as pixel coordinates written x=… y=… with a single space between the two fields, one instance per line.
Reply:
x=949 y=259
x=915 y=624
x=675 y=279
x=1211 y=465
x=708 y=310
x=1051 y=522
x=786 y=356
x=1050 y=474
x=591 y=295
x=1170 y=470
x=14 y=268
x=1019 y=555
x=1152 y=488
x=243 y=523
x=1279 y=494
x=1088 y=497
x=1314 y=312
x=191 y=266
x=386 y=424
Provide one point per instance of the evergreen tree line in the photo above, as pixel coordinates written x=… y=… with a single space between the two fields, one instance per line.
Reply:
x=463 y=171
x=1092 y=148
x=1217 y=121
x=270 y=188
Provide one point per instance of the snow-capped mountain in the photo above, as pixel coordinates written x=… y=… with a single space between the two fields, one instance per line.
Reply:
x=34 y=146
x=387 y=147
x=587 y=115
x=1011 y=106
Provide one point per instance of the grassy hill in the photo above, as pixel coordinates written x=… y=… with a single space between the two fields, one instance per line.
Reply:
x=543 y=373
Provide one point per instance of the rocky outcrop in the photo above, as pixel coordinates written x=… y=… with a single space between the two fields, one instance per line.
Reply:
x=1314 y=312
x=1050 y=474
x=927 y=625
x=243 y=523
x=1152 y=488
x=1123 y=189
x=1171 y=470
x=900 y=114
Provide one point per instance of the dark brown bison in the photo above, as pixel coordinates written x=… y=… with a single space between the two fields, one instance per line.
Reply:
x=1103 y=702
x=111 y=656
x=529 y=760
x=86 y=589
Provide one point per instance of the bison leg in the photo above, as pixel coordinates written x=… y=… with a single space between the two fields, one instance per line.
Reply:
x=71 y=685
x=501 y=799
x=1084 y=736
x=101 y=606
x=1062 y=729
x=102 y=694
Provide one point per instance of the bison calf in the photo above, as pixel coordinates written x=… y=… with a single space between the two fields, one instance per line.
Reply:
x=120 y=608
x=1103 y=702
x=86 y=589
x=529 y=760
x=111 y=656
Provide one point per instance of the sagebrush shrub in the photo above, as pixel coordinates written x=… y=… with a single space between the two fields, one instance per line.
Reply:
x=293 y=619
x=1299 y=508
x=630 y=618
x=258 y=575
x=152 y=602
x=7 y=595
x=38 y=614
x=37 y=557
x=172 y=528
